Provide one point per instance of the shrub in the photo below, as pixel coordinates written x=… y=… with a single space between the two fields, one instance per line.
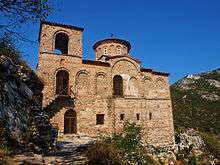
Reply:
x=177 y=138
x=192 y=160
x=2 y=162
x=8 y=48
x=130 y=139
x=28 y=137
x=212 y=144
x=104 y=153
x=2 y=131
x=121 y=149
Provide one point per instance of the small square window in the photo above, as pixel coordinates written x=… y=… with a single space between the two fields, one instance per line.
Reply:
x=138 y=116
x=122 y=116
x=100 y=119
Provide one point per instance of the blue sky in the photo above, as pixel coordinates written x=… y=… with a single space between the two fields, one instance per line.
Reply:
x=176 y=36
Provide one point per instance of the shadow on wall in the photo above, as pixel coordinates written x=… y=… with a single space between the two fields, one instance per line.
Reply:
x=57 y=104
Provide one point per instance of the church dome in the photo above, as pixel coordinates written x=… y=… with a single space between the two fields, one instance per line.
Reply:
x=111 y=47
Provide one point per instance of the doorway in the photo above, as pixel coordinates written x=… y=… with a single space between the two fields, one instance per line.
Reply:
x=70 y=122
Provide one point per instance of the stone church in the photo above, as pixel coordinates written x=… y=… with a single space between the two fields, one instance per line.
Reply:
x=97 y=97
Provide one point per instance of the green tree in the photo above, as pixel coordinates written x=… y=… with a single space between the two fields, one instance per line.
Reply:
x=9 y=49
x=20 y=12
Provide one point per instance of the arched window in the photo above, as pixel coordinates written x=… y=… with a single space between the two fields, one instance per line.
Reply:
x=118 y=50
x=61 y=43
x=117 y=86
x=62 y=83
x=124 y=50
x=105 y=50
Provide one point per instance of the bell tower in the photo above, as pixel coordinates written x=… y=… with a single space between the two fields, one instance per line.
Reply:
x=60 y=39
x=60 y=48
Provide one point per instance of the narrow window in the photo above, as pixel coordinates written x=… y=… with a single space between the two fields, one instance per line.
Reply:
x=105 y=49
x=117 y=86
x=138 y=116
x=124 y=50
x=150 y=115
x=61 y=43
x=62 y=83
x=118 y=50
x=100 y=119
x=122 y=116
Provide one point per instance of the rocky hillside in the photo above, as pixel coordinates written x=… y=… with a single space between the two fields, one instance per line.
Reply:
x=196 y=102
x=22 y=122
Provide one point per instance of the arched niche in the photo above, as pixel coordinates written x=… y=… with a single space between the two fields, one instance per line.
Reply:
x=82 y=83
x=133 y=87
x=147 y=85
x=160 y=83
x=101 y=85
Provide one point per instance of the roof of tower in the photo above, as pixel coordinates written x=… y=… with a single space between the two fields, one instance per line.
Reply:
x=62 y=25
x=115 y=40
x=59 y=25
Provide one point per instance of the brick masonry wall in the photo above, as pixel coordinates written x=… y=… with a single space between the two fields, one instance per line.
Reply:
x=91 y=88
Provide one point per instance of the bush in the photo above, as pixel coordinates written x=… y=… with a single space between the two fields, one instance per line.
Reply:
x=104 y=153
x=121 y=149
x=212 y=144
x=192 y=160
x=8 y=48
x=2 y=131
x=2 y=162
x=130 y=139
x=28 y=137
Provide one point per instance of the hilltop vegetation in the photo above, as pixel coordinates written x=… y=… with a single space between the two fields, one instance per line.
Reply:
x=196 y=105
x=196 y=102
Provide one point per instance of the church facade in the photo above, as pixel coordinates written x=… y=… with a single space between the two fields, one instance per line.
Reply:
x=98 y=97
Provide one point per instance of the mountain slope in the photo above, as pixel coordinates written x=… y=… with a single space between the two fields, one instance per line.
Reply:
x=196 y=102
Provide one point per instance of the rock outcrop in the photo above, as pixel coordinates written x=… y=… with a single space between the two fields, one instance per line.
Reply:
x=20 y=105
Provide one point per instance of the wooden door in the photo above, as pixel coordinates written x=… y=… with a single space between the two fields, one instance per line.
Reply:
x=70 y=122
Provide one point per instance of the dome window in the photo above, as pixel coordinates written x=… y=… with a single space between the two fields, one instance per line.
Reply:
x=105 y=50
x=118 y=50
